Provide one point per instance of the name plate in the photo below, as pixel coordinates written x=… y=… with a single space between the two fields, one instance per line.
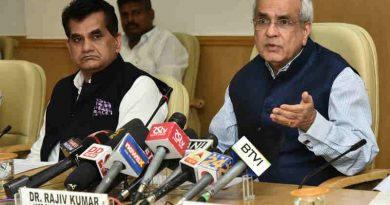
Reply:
x=30 y=196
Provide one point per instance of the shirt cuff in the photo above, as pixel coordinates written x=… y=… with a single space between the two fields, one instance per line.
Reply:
x=318 y=131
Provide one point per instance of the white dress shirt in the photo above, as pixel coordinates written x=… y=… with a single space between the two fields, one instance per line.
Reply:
x=157 y=52
x=139 y=102
x=349 y=121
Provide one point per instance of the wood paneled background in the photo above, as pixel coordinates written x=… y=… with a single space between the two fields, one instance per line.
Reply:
x=223 y=56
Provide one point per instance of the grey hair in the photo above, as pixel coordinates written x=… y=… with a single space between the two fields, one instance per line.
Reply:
x=306 y=13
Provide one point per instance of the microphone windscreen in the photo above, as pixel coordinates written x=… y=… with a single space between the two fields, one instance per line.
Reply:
x=179 y=119
x=212 y=137
x=139 y=134
x=191 y=133
x=81 y=178
x=135 y=127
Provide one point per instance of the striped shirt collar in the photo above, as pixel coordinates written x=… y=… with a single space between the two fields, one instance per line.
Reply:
x=283 y=69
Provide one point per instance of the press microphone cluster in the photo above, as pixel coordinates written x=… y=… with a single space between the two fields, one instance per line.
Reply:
x=172 y=164
x=87 y=173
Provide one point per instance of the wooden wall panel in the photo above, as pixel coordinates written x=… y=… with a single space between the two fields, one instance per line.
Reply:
x=51 y=55
x=220 y=59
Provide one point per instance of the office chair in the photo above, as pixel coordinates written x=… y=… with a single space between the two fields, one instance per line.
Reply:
x=23 y=85
x=190 y=76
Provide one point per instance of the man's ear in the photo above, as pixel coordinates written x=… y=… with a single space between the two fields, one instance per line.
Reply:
x=152 y=13
x=118 y=42
x=306 y=32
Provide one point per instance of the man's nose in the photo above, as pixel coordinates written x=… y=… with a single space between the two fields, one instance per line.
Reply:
x=272 y=30
x=87 y=45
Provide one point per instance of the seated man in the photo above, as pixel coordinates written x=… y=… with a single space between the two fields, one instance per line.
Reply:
x=146 y=46
x=105 y=93
x=301 y=91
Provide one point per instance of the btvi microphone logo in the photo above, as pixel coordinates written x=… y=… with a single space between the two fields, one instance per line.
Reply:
x=257 y=160
x=159 y=130
x=133 y=153
x=179 y=139
x=251 y=156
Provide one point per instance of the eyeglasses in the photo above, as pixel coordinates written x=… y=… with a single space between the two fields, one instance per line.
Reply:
x=263 y=23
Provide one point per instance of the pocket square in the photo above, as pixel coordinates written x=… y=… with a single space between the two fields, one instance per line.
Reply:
x=102 y=108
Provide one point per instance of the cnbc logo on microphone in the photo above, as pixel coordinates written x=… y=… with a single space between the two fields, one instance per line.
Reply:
x=133 y=153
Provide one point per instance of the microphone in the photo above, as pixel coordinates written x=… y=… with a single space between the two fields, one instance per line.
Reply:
x=250 y=157
x=5 y=130
x=352 y=148
x=38 y=179
x=208 y=142
x=189 y=165
x=170 y=164
x=208 y=172
x=167 y=141
x=87 y=172
x=127 y=158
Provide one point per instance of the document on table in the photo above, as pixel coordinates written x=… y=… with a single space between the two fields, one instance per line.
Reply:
x=384 y=185
x=381 y=199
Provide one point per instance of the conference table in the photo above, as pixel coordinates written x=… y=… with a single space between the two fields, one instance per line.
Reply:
x=265 y=193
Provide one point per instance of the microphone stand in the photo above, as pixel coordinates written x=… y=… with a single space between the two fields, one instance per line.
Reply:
x=353 y=148
x=164 y=99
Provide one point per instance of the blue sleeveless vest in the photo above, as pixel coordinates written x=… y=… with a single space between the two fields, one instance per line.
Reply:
x=254 y=93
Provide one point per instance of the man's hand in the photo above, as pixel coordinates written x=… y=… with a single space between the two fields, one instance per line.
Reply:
x=300 y=116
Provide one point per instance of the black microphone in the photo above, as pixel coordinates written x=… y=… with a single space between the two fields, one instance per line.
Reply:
x=168 y=187
x=352 y=148
x=5 y=131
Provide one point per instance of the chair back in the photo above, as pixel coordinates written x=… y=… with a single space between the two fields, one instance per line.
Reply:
x=355 y=45
x=190 y=76
x=23 y=85
x=7 y=47
x=179 y=100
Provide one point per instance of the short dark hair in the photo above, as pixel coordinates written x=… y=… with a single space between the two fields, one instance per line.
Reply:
x=147 y=4
x=80 y=9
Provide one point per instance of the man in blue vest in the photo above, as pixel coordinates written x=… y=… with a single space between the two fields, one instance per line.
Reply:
x=299 y=90
x=105 y=93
